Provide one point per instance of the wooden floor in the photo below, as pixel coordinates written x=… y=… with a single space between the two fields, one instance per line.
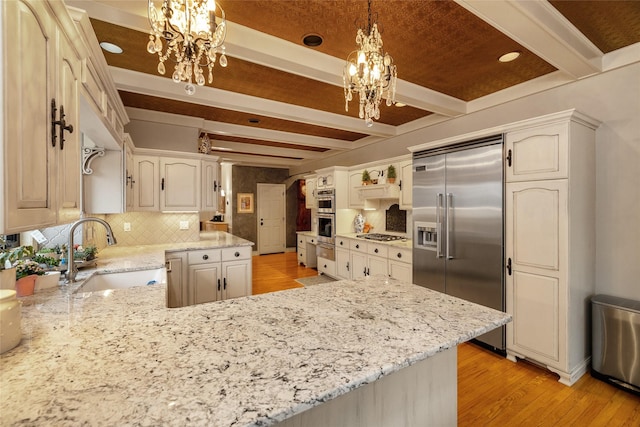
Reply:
x=493 y=391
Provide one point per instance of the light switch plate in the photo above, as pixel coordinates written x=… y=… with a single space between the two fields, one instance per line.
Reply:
x=184 y=225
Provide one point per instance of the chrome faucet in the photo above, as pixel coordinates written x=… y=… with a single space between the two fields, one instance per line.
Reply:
x=72 y=270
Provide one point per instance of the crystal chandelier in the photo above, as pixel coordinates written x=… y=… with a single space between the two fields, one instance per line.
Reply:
x=193 y=32
x=370 y=73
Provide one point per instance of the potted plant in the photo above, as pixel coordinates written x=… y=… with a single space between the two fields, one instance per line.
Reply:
x=366 y=178
x=391 y=174
x=26 y=273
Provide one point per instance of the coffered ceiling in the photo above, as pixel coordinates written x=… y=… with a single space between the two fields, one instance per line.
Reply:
x=279 y=102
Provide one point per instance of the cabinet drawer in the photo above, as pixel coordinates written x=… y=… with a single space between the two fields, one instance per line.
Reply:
x=302 y=256
x=378 y=250
x=400 y=254
x=203 y=256
x=358 y=245
x=326 y=266
x=231 y=254
x=301 y=241
x=312 y=240
x=341 y=242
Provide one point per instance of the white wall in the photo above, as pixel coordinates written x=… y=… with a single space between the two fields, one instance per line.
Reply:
x=614 y=99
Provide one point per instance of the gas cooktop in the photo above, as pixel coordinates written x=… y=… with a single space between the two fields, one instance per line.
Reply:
x=380 y=237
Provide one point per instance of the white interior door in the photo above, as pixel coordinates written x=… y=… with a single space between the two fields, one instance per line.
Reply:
x=271 y=206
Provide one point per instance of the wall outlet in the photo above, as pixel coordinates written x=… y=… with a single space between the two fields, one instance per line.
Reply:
x=184 y=225
x=127 y=226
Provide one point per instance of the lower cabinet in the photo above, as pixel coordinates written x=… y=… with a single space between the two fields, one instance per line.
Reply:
x=400 y=264
x=307 y=250
x=208 y=275
x=356 y=258
x=326 y=266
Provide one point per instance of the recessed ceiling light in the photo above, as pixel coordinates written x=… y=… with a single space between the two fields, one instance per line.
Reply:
x=312 y=40
x=254 y=121
x=508 y=57
x=110 y=47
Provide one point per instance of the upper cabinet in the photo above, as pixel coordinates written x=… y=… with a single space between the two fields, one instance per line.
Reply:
x=179 y=184
x=210 y=185
x=406 y=184
x=310 y=201
x=42 y=160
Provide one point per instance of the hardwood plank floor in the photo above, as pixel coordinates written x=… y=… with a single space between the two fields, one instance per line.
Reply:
x=493 y=391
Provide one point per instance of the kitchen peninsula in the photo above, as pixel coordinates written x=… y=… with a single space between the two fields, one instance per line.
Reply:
x=122 y=357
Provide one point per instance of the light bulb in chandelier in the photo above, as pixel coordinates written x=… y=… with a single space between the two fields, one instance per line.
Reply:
x=191 y=34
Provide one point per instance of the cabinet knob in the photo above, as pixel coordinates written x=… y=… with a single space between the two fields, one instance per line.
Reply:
x=205 y=257
x=399 y=255
x=340 y=242
x=375 y=250
x=237 y=254
x=357 y=246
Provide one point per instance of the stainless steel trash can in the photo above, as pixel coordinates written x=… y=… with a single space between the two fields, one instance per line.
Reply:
x=616 y=341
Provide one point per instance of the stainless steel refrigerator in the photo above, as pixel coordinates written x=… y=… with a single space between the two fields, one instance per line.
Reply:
x=458 y=224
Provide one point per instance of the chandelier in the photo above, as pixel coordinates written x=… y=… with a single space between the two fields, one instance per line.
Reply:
x=370 y=73
x=193 y=32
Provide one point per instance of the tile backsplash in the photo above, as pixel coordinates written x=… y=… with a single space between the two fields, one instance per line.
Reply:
x=386 y=219
x=149 y=228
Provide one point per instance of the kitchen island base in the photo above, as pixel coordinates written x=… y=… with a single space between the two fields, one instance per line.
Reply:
x=424 y=394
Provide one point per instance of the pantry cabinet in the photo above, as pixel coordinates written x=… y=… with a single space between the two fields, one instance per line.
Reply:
x=550 y=243
x=42 y=63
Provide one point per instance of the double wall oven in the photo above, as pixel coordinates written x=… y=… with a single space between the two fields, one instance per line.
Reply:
x=326 y=224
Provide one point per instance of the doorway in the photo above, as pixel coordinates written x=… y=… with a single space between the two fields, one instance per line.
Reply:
x=271 y=207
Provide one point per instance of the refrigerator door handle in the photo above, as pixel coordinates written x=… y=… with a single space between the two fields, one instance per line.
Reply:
x=438 y=225
x=449 y=206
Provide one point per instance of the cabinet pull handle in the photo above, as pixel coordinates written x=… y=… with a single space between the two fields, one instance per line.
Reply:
x=205 y=257
x=224 y=281
x=218 y=284
x=509 y=266
x=168 y=266
x=62 y=123
x=237 y=254
x=347 y=265
x=400 y=185
x=162 y=184
x=215 y=186
x=509 y=158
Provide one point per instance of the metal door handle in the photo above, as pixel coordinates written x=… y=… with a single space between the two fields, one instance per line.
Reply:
x=162 y=184
x=438 y=225
x=509 y=266
x=449 y=205
x=509 y=158
x=224 y=281
x=218 y=285
x=347 y=265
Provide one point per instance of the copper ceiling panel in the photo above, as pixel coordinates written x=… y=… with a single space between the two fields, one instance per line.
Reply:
x=246 y=78
x=435 y=44
x=610 y=25
x=153 y=103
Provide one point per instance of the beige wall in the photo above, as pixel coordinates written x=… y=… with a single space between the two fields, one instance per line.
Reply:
x=613 y=98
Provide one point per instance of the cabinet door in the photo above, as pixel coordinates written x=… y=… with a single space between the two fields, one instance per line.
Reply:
x=205 y=283
x=210 y=185
x=146 y=191
x=176 y=292
x=310 y=198
x=400 y=271
x=538 y=153
x=377 y=266
x=406 y=185
x=68 y=163
x=179 y=184
x=358 y=264
x=343 y=264
x=536 y=287
x=356 y=201
x=28 y=40
x=236 y=280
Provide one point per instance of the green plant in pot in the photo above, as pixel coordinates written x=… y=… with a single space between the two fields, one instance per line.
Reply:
x=391 y=174
x=366 y=178
x=26 y=273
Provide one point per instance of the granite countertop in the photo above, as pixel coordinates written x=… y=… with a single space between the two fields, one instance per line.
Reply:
x=121 y=357
x=395 y=243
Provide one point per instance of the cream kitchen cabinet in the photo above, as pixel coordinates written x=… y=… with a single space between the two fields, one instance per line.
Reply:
x=406 y=184
x=310 y=201
x=210 y=185
x=166 y=184
x=179 y=184
x=550 y=243
x=400 y=266
x=327 y=266
x=325 y=180
x=146 y=177
x=128 y=174
x=356 y=199
x=207 y=275
x=307 y=249
x=41 y=64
